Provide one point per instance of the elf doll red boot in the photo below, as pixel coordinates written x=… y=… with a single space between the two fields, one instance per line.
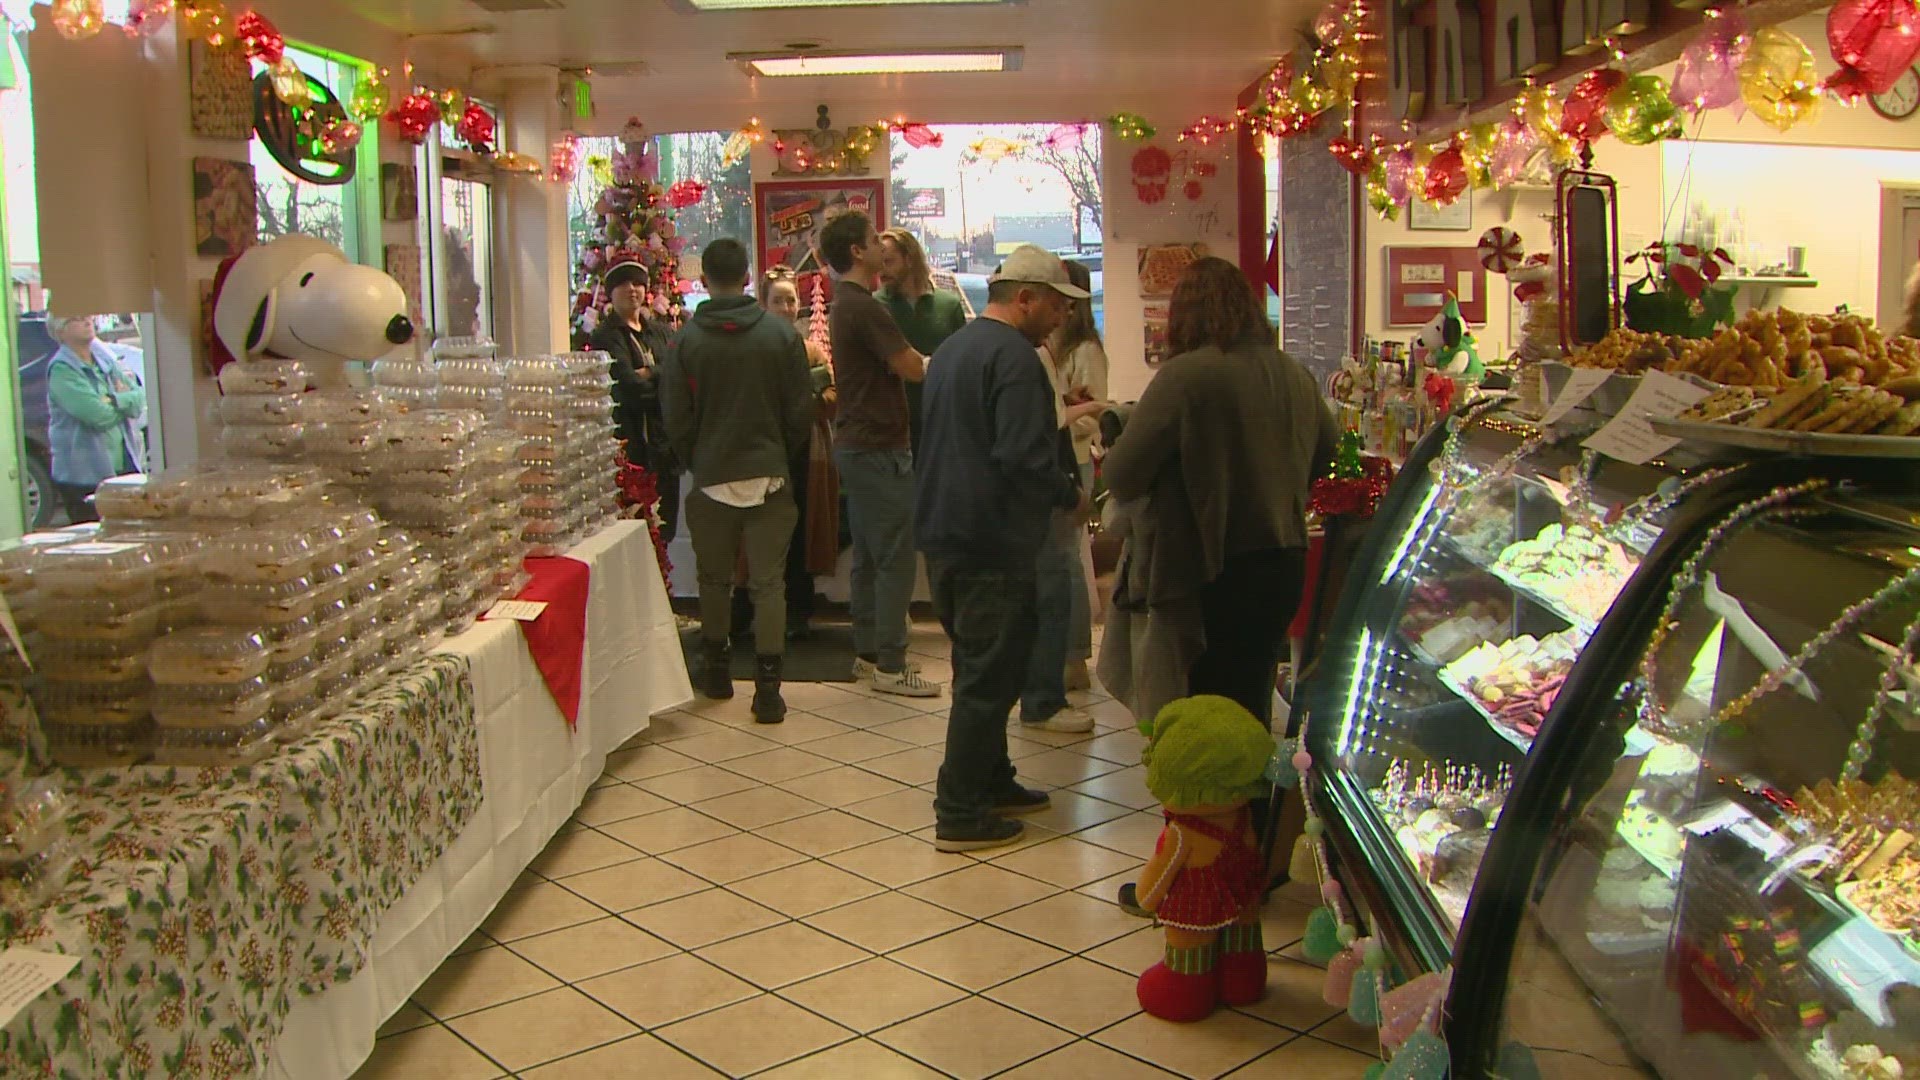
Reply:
x=1206 y=757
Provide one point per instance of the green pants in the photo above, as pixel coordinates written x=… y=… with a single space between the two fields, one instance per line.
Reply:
x=720 y=533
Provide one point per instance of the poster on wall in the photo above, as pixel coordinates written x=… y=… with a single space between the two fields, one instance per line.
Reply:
x=224 y=210
x=219 y=92
x=789 y=214
x=1162 y=264
x=1154 y=317
x=1423 y=216
x=1419 y=279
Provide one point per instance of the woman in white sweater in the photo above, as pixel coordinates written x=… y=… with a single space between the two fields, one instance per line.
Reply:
x=1081 y=365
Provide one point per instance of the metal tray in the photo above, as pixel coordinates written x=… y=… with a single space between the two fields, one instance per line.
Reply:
x=1789 y=442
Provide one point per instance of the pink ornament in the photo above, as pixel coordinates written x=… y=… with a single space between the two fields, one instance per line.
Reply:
x=1302 y=761
x=1708 y=76
x=1064 y=137
x=1399 y=166
x=1338 y=987
x=1413 y=1007
x=563 y=160
x=1331 y=892
x=1514 y=146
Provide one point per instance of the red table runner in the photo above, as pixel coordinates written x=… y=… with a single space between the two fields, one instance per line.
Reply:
x=558 y=638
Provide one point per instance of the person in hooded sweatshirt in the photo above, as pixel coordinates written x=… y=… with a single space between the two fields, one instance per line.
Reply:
x=738 y=407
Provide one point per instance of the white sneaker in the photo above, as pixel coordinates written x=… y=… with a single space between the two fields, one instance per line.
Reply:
x=1070 y=721
x=863 y=670
x=906 y=683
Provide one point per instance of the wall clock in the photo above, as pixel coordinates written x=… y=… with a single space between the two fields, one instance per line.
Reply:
x=1903 y=100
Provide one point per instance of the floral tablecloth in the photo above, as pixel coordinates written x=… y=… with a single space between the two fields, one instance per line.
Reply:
x=207 y=901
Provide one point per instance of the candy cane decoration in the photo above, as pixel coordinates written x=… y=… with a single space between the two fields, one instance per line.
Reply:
x=1500 y=249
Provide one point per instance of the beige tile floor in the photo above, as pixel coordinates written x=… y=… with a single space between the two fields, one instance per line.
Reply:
x=735 y=900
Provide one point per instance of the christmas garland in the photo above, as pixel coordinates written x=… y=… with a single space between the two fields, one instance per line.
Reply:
x=640 y=498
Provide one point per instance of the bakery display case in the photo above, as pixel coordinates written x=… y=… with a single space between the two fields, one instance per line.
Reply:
x=1622 y=751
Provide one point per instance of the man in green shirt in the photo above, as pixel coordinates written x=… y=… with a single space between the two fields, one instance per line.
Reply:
x=926 y=315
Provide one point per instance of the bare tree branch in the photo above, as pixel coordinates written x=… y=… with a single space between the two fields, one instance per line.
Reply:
x=1077 y=164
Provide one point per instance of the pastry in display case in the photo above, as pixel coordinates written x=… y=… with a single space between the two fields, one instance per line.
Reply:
x=1664 y=819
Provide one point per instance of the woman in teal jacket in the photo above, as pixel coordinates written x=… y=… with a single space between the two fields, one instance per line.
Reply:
x=93 y=410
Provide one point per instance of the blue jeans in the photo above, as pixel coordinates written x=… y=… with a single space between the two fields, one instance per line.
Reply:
x=1062 y=615
x=988 y=614
x=879 y=489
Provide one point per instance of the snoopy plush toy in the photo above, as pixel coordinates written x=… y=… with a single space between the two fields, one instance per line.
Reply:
x=1450 y=345
x=299 y=298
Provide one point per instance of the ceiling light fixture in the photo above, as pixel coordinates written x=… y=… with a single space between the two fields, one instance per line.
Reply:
x=771 y=5
x=879 y=63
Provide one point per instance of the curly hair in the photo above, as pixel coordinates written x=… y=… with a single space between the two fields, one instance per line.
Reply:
x=838 y=239
x=1213 y=304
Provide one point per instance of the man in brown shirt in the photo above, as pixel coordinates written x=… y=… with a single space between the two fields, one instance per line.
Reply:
x=872 y=364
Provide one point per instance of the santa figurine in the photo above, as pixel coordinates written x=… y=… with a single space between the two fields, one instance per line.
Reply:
x=1206 y=757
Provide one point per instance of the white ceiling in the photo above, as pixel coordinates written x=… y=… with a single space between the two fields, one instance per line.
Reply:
x=1083 y=58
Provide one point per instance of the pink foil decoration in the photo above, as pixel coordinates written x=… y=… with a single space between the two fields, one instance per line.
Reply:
x=1513 y=148
x=1399 y=165
x=1708 y=76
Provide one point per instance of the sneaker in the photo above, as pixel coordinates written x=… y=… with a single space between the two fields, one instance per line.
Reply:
x=1069 y=720
x=864 y=670
x=991 y=833
x=1022 y=800
x=906 y=683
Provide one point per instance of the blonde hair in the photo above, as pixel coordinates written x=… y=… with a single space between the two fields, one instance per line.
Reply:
x=914 y=255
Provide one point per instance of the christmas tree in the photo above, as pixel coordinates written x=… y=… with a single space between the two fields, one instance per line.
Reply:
x=636 y=221
x=817 y=322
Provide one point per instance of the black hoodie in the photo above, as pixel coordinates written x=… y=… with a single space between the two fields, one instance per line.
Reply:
x=735 y=392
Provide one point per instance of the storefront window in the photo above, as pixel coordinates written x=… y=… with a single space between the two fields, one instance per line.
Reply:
x=335 y=213
x=54 y=462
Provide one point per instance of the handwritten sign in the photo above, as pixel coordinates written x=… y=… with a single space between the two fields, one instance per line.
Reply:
x=25 y=974
x=516 y=610
x=1628 y=437
x=1580 y=386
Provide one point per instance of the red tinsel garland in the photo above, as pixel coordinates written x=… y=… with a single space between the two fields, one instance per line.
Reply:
x=639 y=490
x=1356 y=495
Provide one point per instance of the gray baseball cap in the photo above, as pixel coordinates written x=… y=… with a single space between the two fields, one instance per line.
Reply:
x=1033 y=265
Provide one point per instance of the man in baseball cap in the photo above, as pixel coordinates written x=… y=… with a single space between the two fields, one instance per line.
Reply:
x=639 y=343
x=995 y=466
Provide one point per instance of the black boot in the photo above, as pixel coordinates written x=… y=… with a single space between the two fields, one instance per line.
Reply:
x=716 y=680
x=768 y=707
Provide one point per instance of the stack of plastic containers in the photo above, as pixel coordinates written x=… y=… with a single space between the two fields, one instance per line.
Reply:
x=98 y=610
x=261 y=409
x=406 y=385
x=469 y=376
x=562 y=409
x=212 y=703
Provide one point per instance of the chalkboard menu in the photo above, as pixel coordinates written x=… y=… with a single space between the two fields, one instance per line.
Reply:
x=1316 y=251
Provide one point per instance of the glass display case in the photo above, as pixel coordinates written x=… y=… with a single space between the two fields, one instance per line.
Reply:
x=1625 y=747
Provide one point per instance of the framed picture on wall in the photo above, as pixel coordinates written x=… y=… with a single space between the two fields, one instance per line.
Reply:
x=225 y=220
x=220 y=92
x=399 y=191
x=788 y=216
x=1458 y=217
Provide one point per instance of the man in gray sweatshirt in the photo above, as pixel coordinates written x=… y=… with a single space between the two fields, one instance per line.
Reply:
x=738 y=406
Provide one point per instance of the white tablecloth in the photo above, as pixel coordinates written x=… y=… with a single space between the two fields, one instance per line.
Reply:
x=534 y=775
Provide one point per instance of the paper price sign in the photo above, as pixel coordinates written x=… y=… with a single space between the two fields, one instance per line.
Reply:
x=1628 y=437
x=1580 y=386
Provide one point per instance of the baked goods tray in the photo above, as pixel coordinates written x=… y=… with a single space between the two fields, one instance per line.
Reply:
x=1524 y=742
x=1789 y=442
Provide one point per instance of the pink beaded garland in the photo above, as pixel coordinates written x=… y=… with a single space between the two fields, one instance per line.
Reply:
x=1302 y=761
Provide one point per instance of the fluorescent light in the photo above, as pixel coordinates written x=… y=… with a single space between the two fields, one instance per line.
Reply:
x=768 y=5
x=813 y=63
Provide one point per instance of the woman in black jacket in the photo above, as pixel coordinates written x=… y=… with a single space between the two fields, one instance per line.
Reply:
x=639 y=343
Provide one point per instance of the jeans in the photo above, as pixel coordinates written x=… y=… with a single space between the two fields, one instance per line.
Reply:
x=1247 y=611
x=879 y=489
x=988 y=615
x=1057 y=576
x=720 y=532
